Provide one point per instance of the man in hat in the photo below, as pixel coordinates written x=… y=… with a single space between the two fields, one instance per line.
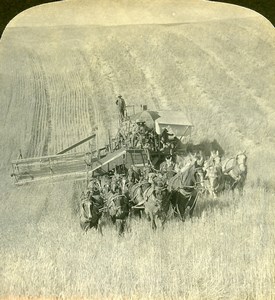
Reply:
x=168 y=167
x=142 y=132
x=120 y=102
x=165 y=140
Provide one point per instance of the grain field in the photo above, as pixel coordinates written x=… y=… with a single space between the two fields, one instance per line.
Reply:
x=59 y=82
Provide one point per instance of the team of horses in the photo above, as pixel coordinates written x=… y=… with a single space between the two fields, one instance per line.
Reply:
x=176 y=188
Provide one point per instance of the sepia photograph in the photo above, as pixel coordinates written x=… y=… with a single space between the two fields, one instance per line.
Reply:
x=137 y=150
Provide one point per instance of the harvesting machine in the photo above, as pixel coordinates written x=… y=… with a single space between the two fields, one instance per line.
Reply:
x=117 y=154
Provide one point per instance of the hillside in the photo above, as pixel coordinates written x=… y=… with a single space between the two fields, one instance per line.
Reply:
x=58 y=81
x=62 y=81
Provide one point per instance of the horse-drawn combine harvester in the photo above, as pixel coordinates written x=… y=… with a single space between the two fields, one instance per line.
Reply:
x=146 y=166
x=117 y=154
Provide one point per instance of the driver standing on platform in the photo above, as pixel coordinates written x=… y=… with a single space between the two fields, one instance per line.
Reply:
x=120 y=102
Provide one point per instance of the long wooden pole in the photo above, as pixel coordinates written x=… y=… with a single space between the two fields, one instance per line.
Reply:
x=77 y=144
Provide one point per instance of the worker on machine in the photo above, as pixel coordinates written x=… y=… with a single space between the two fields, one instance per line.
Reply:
x=120 y=102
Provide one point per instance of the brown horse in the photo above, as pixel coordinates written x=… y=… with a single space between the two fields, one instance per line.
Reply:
x=184 y=188
x=117 y=207
x=157 y=203
x=136 y=192
x=91 y=211
x=135 y=195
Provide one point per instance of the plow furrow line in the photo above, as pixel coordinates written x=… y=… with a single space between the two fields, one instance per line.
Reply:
x=157 y=95
x=39 y=126
x=93 y=104
x=216 y=61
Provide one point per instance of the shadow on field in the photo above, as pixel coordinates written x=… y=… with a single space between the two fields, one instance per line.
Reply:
x=206 y=147
x=267 y=184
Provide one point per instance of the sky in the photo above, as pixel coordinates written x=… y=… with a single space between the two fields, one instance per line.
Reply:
x=51 y=16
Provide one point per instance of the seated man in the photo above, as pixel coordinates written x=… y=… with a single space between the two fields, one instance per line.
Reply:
x=166 y=140
x=133 y=134
x=134 y=174
x=142 y=133
x=168 y=167
x=165 y=136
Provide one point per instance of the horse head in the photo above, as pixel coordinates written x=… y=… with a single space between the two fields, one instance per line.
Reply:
x=214 y=174
x=215 y=157
x=86 y=206
x=117 y=206
x=213 y=161
x=199 y=159
x=115 y=183
x=105 y=183
x=94 y=186
x=159 y=195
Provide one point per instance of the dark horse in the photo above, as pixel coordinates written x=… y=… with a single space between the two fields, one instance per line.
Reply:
x=91 y=211
x=135 y=194
x=157 y=202
x=117 y=207
x=184 y=191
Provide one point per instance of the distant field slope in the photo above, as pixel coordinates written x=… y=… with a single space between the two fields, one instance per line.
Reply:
x=58 y=82
x=117 y=12
x=59 y=77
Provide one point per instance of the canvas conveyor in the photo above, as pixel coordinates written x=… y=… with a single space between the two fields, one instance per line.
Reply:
x=49 y=167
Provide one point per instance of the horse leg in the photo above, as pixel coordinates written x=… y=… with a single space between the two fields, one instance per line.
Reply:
x=193 y=204
x=121 y=226
x=113 y=219
x=153 y=222
x=129 y=219
x=181 y=206
x=85 y=226
x=128 y=224
x=187 y=213
x=212 y=189
x=179 y=212
x=163 y=220
x=212 y=192
x=99 y=226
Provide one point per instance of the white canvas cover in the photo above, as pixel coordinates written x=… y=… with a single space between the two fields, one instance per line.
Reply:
x=175 y=122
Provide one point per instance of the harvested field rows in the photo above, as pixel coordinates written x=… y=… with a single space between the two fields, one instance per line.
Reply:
x=79 y=91
x=70 y=120
x=41 y=126
x=59 y=83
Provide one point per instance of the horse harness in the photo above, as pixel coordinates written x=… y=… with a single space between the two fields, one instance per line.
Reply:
x=112 y=202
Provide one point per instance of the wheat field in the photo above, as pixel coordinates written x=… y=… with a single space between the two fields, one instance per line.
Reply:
x=57 y=83
x=226 y=251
